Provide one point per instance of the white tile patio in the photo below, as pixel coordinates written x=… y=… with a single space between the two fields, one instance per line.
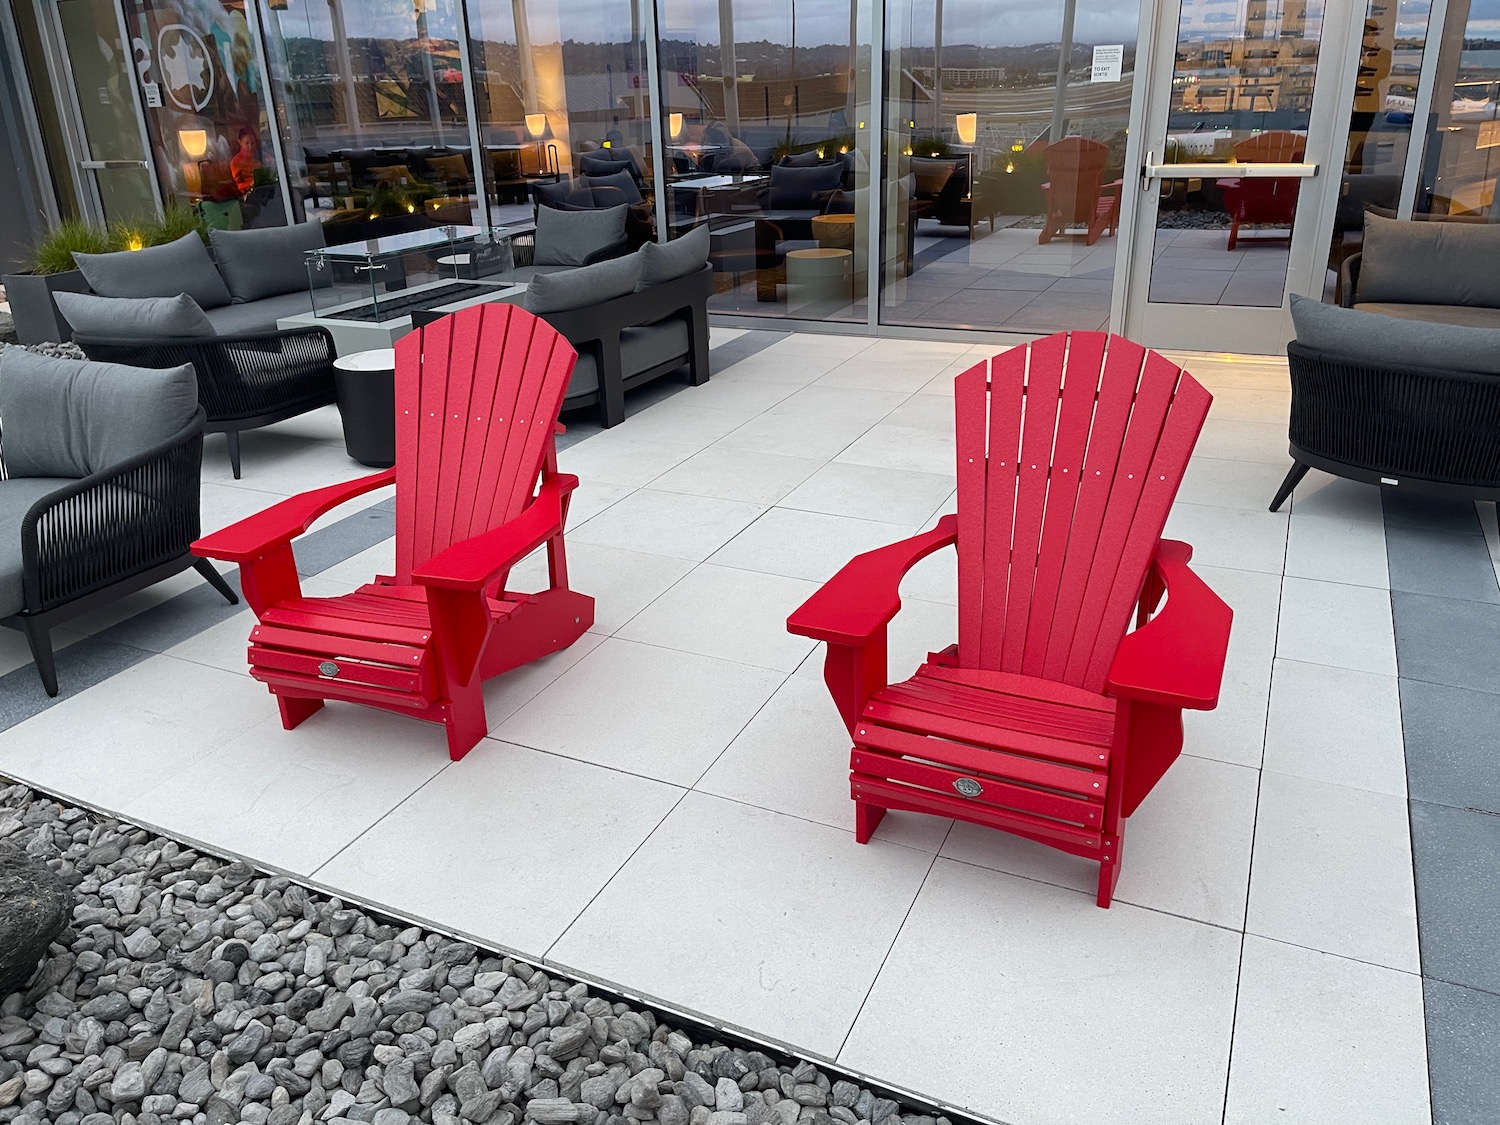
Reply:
x=665 y=804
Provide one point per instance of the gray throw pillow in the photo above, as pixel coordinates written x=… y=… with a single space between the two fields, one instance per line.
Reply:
x=567 y=238
x=1388 y=341
x=808 y=159
x=621 y=181
x=1429 y=263
x=804 y=188
x=134 y=318
x=580 y=288
x=157 y=271
x=678 y=258
x=265 y=262
x=73 y=418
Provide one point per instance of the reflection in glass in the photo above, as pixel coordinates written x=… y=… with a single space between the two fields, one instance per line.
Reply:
x=370 y=100
x=768 y=145
x=206 y=111
x=1242 y=90
x=564 y=108
x=1004 y=152
x=1380 y=124
x=1462 y=159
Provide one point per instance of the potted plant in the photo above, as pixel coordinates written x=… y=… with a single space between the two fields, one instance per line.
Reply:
x=52 y=271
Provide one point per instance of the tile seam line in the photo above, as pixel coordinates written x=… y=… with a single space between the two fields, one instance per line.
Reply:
x=644 y=999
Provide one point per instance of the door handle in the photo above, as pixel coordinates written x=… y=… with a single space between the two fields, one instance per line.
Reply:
x=100 y=165
x=1300 y=170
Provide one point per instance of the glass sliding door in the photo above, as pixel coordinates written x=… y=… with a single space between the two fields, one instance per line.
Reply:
x=1004 y=161
x=563 y=97
x=1462 y=161
x=206 y=111
x=370 y=101
x=768 y=144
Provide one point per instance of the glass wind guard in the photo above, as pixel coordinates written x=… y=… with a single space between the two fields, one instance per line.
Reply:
x=1242 y=92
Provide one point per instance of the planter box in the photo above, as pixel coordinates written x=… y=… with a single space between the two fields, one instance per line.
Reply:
x=36 y=315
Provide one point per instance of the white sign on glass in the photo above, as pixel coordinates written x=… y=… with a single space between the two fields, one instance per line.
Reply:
x=1109 y=62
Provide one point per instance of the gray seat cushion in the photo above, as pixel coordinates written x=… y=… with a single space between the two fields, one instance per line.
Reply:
x=587 y=285
x=1387 y=341
x=1429 y=263
x=652 y=344
x=621 y=181
x=585 y=380
x=134 y=318
x=258 y=316
x=265 y=262
x=72 y=418
x=568 y=238
x=678 y=258
x=794 y=188
x=157 y=271
x=16 y=498
x=1470 y=316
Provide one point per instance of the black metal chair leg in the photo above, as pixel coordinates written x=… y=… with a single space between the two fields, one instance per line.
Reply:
x=233 y=438
x=216 y=580
x=1292 y=480
x=39 y=637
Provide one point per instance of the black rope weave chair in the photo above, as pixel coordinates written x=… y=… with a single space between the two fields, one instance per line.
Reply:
x=244 y=382
x=99 y=538
x=1420 y=429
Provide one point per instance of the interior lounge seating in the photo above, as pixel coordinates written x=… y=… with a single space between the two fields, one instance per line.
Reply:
x=99 y=488
x=942 y=183
x=1441 y=271
x=1075 y=192
x=1401 y=403
x=1270 y=201
x=172 y=305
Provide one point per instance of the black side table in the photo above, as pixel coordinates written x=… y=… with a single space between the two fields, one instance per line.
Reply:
x=366 y=386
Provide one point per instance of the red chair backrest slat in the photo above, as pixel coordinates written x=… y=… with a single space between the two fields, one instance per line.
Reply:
x=1070 y=452
x=477 y=397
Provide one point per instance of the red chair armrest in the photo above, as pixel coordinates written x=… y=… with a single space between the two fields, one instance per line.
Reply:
x=1177 y=658
x=281 y=523
x=475 y=562
x=863 y=597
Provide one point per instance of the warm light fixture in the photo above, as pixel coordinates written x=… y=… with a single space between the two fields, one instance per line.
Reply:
x=194 y=142
x=1010 y=166
x=968 y=127
x=674 y=125
x=134 y=242
x=1017 y=146
x=536 y=124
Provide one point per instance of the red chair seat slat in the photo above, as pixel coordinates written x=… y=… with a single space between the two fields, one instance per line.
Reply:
x=892 y=795
x=996 y=789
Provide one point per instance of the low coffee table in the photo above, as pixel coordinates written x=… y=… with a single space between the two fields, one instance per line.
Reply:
x=366 y=386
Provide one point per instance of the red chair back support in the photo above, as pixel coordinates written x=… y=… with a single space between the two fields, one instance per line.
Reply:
x=1271 y=148
x=477 y=396
x=1075 y=169
x=1070 y=451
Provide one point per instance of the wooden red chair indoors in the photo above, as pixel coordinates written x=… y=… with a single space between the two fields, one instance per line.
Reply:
x=477 y=490
x=1047 y=719
x=1269 y=201
x=1075 y=193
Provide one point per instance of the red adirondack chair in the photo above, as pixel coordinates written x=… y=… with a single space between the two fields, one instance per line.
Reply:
x=1047 y=719
x=1271 y=201
x=477 y=398
x=1075 y=193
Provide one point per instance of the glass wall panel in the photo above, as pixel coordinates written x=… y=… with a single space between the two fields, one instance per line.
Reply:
x=1242 y=93
x=769 y=145
x=563 y=97
x=1462 y=159
x=1004 y=157
x=369 y=98
x=206 y=111
x=1380 y=123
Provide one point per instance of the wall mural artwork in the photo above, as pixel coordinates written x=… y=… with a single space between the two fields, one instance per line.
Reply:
x=205 y=110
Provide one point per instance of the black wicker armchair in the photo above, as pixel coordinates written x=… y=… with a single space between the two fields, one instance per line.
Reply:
x=1420 y=429
x=244 y=382
x=93 y=540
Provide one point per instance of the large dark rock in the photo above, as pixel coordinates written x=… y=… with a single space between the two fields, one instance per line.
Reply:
x=34 y=908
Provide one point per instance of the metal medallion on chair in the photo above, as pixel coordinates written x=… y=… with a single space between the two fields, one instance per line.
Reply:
x=1047 y=719
x=477 y=490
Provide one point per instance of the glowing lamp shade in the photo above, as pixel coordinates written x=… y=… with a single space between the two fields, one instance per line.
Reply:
x=536 y=124
x=674 y=125
x=194 y=142
x=968 y=127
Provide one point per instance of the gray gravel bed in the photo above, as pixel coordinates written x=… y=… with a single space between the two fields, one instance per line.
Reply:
x=193 y=989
